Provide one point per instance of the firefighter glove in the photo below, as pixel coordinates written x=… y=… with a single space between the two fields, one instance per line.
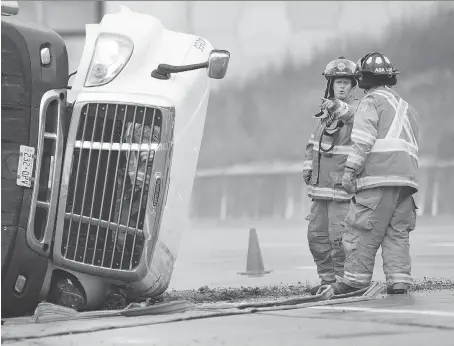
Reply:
x=334 y=107
x=349 y=180
x=307 y=175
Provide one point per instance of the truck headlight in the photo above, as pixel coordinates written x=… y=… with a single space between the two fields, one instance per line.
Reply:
x=110 y=56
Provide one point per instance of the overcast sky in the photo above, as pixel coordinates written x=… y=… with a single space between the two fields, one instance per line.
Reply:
x=260 y=33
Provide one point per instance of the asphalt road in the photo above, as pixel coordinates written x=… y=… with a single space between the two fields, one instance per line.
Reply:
x=213 y=256
x=419 y=319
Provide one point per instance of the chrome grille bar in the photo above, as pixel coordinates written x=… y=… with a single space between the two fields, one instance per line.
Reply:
x=97 y=222
x=116 y=146
x=106 y=231
x=86 y=180
x=96 y=182
x=52 y=136
x=104 y=189
x=128 y=155
x=112 y=202
x=133 y=185
x=85 y=113
x=42 y=204
x=143 y=185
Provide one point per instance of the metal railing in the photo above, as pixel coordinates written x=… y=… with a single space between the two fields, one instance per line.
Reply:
x=274 y=190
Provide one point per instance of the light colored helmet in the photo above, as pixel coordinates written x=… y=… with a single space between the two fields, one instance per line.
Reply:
x=341 y=67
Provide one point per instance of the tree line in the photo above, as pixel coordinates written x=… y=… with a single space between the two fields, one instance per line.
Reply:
x=270 y=117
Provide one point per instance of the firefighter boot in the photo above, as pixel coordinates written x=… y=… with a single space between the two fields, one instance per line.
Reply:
x=340 y=288
x=399 y=288
x=315 y=289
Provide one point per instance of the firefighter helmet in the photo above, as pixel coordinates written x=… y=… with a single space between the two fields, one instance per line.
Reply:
x=340 y=67
x=377 y=64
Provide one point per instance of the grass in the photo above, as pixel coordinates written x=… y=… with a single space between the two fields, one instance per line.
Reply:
x=217 y=295
x=432 y=284
x=275 y=292
x=228 y=294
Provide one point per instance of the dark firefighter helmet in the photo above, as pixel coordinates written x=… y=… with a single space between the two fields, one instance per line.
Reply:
x=376 y=64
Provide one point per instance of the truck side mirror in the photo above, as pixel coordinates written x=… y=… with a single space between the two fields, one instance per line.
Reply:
x=10 y=8
x=216 y=66
x=218 y=61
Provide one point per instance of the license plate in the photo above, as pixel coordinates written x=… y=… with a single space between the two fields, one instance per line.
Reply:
x=25 y=166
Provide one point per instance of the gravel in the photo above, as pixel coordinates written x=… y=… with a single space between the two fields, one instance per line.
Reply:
x=432 y=284
x=206 y=294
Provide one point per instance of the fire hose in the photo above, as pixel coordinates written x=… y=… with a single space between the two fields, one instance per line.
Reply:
x=159 y=313
x=47 y=311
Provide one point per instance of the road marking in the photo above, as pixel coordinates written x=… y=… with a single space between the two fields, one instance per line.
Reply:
x=306 y=267
x=442 y=244
x=386 y=311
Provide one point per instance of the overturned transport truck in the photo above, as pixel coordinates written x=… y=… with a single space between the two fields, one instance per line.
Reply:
x=95 y=193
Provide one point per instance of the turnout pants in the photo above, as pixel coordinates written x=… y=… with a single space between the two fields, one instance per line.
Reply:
x=325 y=237
x=380 y=216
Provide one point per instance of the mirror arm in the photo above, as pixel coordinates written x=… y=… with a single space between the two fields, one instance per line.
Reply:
x=163 y=71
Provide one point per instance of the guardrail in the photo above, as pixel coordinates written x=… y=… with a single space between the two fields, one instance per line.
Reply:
x=274 y=190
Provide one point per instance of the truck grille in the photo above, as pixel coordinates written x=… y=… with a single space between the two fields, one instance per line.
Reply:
x=109 y=185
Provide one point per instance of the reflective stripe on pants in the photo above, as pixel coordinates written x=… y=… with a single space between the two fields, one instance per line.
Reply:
x=325 y=237
x=381 y=216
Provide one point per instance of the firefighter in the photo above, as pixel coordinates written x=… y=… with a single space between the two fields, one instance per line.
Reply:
x=382 y=170
x=325 y=156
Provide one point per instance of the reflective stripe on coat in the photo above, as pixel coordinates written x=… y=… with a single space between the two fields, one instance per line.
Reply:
x=385 y=139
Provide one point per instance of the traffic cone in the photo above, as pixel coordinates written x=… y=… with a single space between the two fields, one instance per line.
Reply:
x=254 y=266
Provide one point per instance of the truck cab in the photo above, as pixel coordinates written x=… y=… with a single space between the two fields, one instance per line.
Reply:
x=95 y=194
